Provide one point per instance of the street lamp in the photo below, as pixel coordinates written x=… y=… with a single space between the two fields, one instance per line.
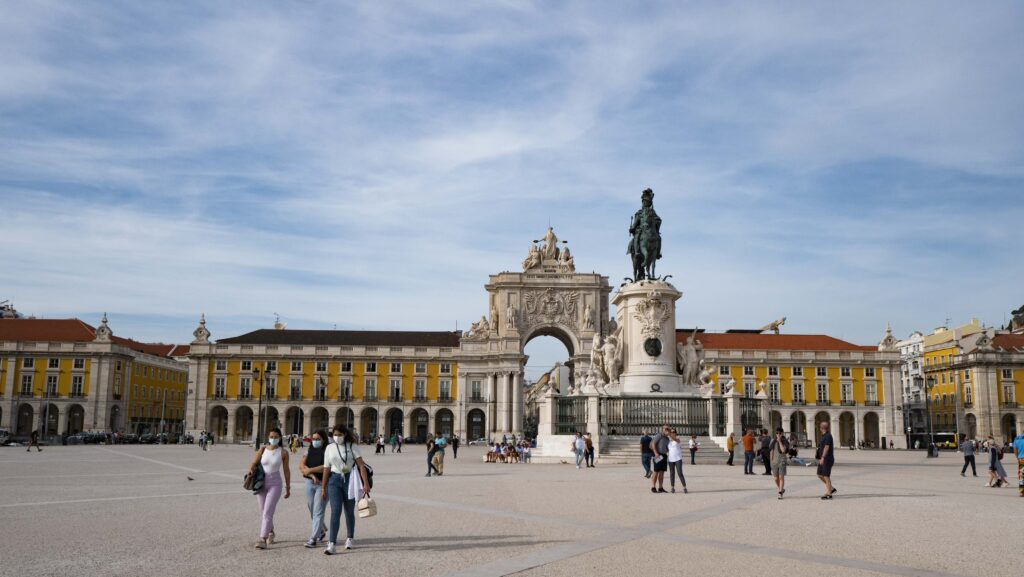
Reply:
x=260 y=377
x=928 y=384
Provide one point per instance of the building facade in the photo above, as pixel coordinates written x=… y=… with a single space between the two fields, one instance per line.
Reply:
x=64 y=376
x=375 y=382
x=813 y=378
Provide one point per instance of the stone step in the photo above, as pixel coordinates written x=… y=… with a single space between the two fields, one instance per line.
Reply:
x=626 y=450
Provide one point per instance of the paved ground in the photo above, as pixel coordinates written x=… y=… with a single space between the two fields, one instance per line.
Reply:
x=93 y=510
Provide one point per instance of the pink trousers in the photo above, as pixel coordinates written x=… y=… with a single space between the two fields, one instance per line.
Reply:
x=267 y=499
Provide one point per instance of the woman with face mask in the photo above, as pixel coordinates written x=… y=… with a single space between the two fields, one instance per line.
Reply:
x=341 y=486
x=312 y=468
x=274 y=460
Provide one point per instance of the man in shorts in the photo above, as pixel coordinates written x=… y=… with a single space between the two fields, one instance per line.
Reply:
x=826 y=458
x=1018 y=444
x=659 y=446
x=778 y=453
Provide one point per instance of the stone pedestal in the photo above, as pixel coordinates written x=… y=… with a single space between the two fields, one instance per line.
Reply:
x=646 y=317
x=733 y=421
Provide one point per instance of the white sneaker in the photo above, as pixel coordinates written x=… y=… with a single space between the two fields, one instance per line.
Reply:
x=330 y=549
x=348 y=543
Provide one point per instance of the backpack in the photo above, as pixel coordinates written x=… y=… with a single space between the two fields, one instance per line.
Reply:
x=369 y=469
x=999 y=454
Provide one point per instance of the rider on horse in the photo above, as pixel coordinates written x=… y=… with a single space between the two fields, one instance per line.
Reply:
x=645 y=244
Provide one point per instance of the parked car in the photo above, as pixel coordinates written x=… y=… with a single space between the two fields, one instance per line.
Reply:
x=5 y=436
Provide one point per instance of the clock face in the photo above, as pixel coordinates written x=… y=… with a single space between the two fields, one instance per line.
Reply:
x=653 y=347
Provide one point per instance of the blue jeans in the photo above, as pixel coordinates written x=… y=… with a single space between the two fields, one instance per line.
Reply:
x=316 y=507
x=645 y=460
x=579 y=458
x=748 y=461
x=337 y=493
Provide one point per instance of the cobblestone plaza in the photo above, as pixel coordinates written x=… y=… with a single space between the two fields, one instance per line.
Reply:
x=131 y=510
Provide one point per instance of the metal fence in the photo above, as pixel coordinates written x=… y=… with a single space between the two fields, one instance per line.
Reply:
x=572 y=415
x=720 y=417
x=750 y=413
x=634 y=416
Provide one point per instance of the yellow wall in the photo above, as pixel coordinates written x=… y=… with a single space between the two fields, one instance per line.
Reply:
x=40 y=372
x=1018 y=389
x=151 y=405
x=333 y=377
x=810 y=380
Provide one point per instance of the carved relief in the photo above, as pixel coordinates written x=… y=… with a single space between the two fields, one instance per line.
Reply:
x=549 y=306
x=652 y=313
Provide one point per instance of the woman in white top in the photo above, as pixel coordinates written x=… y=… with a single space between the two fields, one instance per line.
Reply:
x=274 y=460
x=675 y=459
x=339 y=459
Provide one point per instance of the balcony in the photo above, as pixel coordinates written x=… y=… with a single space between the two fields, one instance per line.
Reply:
x=295 y=396
x=476 y=399
x=219 y=396
x=798 y=402
x=80 y=394
x=345 y=397
x=1009 y=404
x=822 y=403
x=872 y=403
x=419 y=399
x=848 y=403
x=444 y=399
x=369 y=398
x=394 y=398
x=320 y=397
x=968 y=405
x=244 y=397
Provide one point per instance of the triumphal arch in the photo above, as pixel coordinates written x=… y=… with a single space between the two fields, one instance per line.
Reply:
x=546 y=298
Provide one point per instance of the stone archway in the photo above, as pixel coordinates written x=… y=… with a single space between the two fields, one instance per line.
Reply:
x=444 y=422
x=477 y=427
x=819 y=418
x=319 y=419
x=1009 y=427
x=293 y=421
x=115 y=419
x=393 y=422
x=76 y=419
x=419 y=425
x=871 y=430
x=26 y=416
x=972 y=426
x=547 y=298
x=51 y=419
x=369 y=425
x=775 y=421
x=243 y=423
x=847 y=430
x=219 y=422
x=269 y=419
x=346 y=418
x=798 y=424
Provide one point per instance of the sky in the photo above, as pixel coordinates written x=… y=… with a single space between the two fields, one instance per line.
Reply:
x=367 y=165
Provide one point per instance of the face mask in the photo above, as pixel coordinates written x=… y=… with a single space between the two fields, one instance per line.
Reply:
x=274 y=441
x=337 y=440
x=317 y=443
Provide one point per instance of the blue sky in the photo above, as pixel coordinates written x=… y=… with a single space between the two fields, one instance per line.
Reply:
x=367 y=165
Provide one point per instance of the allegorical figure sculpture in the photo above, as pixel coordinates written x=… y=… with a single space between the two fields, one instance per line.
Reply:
x=690 y=354
x=510 y=316
x=645 y=238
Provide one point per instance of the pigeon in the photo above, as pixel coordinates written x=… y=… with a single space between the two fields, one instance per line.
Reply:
x=189 y=478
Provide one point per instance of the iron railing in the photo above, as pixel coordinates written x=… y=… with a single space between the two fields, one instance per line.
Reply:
x=633 y=416
x=572 y=415
x=750 y=413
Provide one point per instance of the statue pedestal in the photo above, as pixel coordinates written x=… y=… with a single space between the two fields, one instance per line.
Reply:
x=646 y=316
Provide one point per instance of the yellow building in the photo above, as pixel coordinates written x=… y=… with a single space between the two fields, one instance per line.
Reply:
x=74 y=377
x=375 y=382
x=811 y=378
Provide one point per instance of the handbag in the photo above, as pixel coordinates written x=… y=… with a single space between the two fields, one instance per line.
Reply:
x=254 y=481
x=367 y=507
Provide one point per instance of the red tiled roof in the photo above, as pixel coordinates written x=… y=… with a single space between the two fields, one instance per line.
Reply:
x=365 y=338
x=771 y=341
x=46 y=330
x=73 y=331
x=1008 y=342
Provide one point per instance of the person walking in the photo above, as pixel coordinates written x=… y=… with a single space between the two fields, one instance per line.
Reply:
x=455 y=447
x=826 y=457
x=380 y=444
x=1018 y=445
x=694 y=447
x=579 y=446
x=274 y=460
x=675 y=459
x=33 y=441
x=779 y=453
x=340 y=486
x=748 y=452
x=766 y=454
x=295 y=444
x=431 y=449
x=730 y=447
x=401 y=439
x=440 y=442
x=967 y=447
x=659 y=446
x=312 y=468
x=588 y=450
x=646 y=454
x=996 y=473
x=393 y=441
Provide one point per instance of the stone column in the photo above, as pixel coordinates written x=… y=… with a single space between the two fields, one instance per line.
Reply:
x=833 y=419
x=230 y=438
x=307 y=417
x=734 y=423
x=492 y=402
x=712 y=416
x=503 y=397
x=517 y=402
x=461 y=398
x=858 y=424
x=594 y=421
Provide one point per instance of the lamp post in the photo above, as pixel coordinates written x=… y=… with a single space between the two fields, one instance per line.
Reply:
x=928 y=383
x=257 y=376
